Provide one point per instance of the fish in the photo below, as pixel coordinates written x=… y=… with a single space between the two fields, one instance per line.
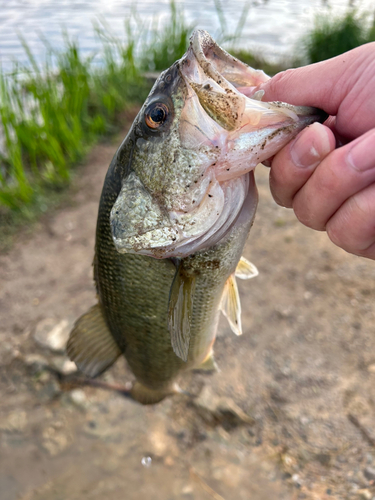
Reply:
x=176 y=209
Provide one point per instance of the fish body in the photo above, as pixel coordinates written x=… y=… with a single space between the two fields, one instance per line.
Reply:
x=134 y=293
x=176 y=208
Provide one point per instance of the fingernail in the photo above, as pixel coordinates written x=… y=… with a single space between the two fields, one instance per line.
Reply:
x=361 y=155
x=310 y=146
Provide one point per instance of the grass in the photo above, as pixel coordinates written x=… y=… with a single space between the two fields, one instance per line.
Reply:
x=259 y=62
x=51 y=113
x=331 y=36
x=162 y=47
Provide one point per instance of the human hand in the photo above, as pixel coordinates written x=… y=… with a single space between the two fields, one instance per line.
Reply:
x=327 y=173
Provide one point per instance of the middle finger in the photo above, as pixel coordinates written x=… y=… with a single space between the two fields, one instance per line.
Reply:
x=341 y=174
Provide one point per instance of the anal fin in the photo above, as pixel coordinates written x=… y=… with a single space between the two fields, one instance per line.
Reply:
x=180 y=312
x=245 y=270
x=91 y=345
x=231 y=306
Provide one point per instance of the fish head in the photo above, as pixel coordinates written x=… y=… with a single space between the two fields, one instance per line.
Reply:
x=202 y=129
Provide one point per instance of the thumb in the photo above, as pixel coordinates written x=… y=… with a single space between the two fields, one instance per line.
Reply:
x=325 y=84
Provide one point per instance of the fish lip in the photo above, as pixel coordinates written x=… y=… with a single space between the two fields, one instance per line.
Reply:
x=202 y=45
x=208 y=54
x=209 y=58
x=303 y=111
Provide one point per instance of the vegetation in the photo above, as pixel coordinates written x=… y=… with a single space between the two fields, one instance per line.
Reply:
x=161 y=48
x=332 y=36
x=51 y=113
x=259 y=62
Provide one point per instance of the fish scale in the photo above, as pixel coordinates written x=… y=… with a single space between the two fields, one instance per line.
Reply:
x=177 y=206
x=139 y=287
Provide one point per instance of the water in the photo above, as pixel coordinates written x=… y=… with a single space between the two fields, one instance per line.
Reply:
x=272 y=26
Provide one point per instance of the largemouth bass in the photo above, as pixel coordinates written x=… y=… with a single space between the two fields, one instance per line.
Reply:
x=176 y=208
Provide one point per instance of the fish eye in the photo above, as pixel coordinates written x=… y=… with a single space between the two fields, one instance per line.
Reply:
x=156 y=115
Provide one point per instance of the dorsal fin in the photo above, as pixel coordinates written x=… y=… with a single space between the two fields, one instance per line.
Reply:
x=245 y=269
x=180 y=311
x=231 y=306
x=91 y=345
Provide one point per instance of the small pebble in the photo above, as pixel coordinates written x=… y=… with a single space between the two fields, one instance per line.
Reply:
x=296 y=479
x=15 y=422
x=36 y=362
x=364 y=494
x=64 y=365
x=187 y=490
x=146 y=462
x=52 y=334
x=78 y=397
x=369 y=473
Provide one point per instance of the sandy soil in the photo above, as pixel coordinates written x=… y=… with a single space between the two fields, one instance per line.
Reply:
x=291 y=415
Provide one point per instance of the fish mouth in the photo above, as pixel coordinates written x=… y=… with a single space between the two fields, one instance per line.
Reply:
x=225 y=130
x=225 y=111
x=226 y=121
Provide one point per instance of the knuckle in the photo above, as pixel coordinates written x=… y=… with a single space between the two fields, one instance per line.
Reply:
x=279 y=80
x=278 y=195
x=335 y=235
x=305 y=219
x=363 y=205
x=350 y=228
x=306 y=214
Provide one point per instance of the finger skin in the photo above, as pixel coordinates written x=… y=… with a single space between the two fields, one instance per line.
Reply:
x=287 y=177
x=341 y=86
x=352 y=227
x=334 y=181
x=326 y=188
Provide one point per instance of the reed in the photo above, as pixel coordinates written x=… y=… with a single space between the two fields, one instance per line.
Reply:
x=52 y=112
x=334 y=35
x=161 y=47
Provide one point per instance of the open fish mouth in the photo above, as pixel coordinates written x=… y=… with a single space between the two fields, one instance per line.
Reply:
x=222 y=131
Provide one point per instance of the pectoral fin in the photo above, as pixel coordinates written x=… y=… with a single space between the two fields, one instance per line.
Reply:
x=231 y=306
x=91 y=345
x=180 y=312
x=246 y=270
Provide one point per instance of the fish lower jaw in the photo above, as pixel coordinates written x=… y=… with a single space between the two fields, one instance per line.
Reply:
x=195 y=231
x=147 y=243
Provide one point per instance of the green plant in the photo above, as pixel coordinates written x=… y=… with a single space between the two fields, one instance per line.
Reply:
x=332 y=36
x=52 y=112
x=162 y=46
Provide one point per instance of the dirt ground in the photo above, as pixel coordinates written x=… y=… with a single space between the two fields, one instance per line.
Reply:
x=291 y=414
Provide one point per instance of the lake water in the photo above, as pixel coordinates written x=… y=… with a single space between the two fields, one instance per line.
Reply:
x=272 y=26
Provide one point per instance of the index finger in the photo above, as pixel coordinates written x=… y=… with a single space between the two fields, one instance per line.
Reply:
x=341 y=86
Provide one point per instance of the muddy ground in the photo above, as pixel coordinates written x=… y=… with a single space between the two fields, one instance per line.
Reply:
x=291 y=415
